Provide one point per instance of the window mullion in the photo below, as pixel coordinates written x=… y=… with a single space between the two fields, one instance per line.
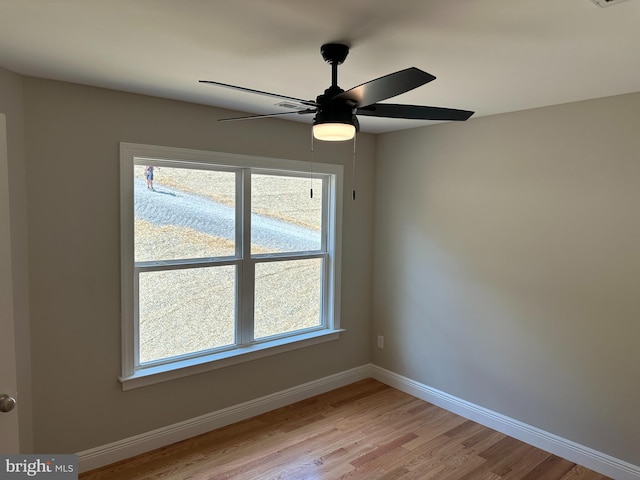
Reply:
x=246 y=300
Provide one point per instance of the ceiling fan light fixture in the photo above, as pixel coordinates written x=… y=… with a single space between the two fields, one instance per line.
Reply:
x=334 y=132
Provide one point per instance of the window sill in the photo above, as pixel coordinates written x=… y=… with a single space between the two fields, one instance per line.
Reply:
x=193 y=366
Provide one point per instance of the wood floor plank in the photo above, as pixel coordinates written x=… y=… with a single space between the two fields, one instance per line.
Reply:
x=366 y=431
x=579 y=472
x=552 y=468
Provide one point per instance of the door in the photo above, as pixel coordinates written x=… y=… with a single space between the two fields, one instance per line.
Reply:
x=8 y=382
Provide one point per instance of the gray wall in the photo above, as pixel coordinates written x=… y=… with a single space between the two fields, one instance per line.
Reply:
x=72 y=162
x=507 y=266
x=11 y=104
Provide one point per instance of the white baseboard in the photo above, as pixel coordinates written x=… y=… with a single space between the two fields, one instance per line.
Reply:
x=574 y=452
x=129 y=447
x=585 y=456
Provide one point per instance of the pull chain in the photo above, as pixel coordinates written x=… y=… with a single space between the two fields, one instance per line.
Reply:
x=353 y=175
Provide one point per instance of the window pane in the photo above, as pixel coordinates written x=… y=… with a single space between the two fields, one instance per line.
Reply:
x=287 y=296
x=183 y=213
x=186 y=311
x=284 y=217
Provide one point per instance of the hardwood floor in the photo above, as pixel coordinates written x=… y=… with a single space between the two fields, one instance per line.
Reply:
x=366 y=430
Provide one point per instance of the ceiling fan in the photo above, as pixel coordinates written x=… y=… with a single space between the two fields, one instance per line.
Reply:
x=336 y=109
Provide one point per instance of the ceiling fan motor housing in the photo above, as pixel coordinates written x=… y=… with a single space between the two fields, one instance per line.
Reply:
x=332 y=110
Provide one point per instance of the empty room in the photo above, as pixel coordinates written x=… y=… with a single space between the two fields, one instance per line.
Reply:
x=320 y=240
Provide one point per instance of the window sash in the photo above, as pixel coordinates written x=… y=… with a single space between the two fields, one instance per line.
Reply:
x=245 y=325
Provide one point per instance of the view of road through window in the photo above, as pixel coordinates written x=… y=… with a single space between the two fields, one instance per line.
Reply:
x=190 y=214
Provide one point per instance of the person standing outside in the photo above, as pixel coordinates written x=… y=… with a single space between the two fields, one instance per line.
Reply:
x=148 y=173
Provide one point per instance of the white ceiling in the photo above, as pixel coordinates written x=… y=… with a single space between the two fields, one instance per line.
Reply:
x=490 y=56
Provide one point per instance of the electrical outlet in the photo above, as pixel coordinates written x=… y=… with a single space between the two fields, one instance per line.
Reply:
x=380 y=341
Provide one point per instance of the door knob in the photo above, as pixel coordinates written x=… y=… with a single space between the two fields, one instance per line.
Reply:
x=7 y=403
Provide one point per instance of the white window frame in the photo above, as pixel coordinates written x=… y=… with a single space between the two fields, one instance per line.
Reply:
x=135 y=375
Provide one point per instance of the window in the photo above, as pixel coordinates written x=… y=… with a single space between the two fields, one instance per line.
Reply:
x=225 y=258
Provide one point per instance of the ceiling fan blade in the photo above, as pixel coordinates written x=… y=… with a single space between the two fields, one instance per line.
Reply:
x=417 y=112
x=251 y=117
x=386 y=87
x=307 y=103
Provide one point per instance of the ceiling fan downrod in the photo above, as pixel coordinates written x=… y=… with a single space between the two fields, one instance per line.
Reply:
x=334 y=54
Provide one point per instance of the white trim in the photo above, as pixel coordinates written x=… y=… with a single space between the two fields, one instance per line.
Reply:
x=128 y=447
x=204 y=363
x=223 y=159
x=574 y=452
x=128 y=327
